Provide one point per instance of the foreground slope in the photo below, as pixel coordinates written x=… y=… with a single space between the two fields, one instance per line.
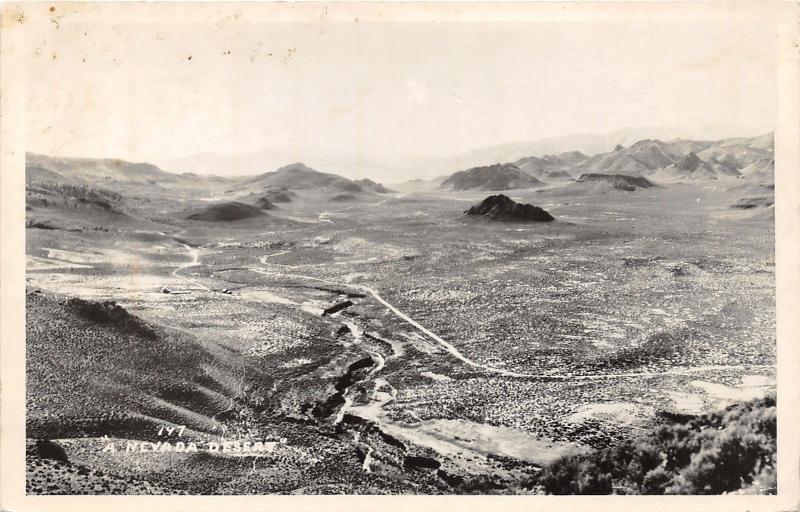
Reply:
x=729 y=451
x=94 y=368
x=117 y=405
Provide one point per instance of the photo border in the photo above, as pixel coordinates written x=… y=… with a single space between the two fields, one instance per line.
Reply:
x=13 y=100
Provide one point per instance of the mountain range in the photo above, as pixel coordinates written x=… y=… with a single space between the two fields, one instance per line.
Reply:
x=355 y=164
x=130 y=177
x=677 y=160
x=749 y=159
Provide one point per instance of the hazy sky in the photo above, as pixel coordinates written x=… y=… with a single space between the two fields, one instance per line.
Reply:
x=384 y=90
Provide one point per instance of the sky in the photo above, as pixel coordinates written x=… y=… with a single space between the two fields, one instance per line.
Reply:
x=383 y=90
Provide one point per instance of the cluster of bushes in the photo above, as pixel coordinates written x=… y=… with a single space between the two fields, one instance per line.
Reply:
x=114 y=420
x=730 y=451
x=110 y=313
x=656 y=347
x=40 y=224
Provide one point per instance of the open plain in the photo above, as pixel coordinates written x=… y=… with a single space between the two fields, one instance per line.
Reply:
x=381 y=341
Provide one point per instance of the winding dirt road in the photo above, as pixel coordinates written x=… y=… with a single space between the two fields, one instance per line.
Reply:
x=194 y=253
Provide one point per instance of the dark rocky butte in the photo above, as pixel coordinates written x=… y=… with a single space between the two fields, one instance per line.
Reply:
x=503 y=208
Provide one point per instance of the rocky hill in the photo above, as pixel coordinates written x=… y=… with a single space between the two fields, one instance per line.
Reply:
x=503 y=208
x=279 y=196
x=368 y=184
x=492 y=177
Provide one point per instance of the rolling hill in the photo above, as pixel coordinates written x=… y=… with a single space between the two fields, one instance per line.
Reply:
x=638 y=159
x=743 y=151
x=300 y=177
x=598 y=183
x=128 y=178
x=419 y=185
x=368 y=184
x=492 y=177
x=688 y=167
x=761 y=171
x=93 y=367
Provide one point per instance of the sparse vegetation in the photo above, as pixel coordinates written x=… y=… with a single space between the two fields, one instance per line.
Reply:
x=725 y=452
x=93 y=195
x=110 y=313
x=37 y=224
x=672 y=308
x=656 y=347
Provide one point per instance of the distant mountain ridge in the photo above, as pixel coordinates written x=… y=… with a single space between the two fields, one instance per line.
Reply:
x=677 y=160
x=131 y=178
x=585 y=143
x=673 y=160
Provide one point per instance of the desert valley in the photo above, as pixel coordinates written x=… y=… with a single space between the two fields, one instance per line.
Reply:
x=496 y=329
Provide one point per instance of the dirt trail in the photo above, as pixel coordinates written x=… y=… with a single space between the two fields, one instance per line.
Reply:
x=239 y=395
x=194 y=253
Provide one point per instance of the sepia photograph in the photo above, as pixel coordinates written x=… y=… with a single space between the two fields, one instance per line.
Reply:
x=401 y=249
